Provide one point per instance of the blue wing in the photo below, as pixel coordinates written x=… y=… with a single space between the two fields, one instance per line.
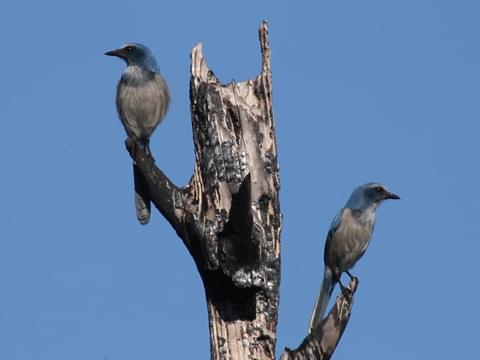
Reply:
x=334 y=225
x=329 y=278
x=333 y=228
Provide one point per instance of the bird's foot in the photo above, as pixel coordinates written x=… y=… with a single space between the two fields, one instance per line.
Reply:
x=352 y=287
x=352 y=278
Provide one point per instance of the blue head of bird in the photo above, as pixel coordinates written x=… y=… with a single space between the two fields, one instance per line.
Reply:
x=136 y=54
x=369 y=195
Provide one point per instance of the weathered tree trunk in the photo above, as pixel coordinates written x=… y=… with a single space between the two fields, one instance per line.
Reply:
x=228 y=216
x=236 y=187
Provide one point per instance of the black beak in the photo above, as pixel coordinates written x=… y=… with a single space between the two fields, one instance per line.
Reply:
x=115 y=52
x=393 y=196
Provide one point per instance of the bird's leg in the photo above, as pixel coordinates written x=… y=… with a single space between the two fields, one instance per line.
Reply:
x=345 y=290
x=353 y=282
x=352 y=278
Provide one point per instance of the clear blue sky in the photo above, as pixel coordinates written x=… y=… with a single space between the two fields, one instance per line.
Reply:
x=363 y=91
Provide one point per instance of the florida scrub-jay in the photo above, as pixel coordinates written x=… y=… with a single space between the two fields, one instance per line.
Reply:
x=347 y=240
x=142 y=101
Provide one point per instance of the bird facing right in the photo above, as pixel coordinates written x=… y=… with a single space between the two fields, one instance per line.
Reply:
x=347 y=240
x=142 y=102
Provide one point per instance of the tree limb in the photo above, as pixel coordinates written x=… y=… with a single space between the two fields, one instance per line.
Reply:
x=162 y=190
x=321 y=343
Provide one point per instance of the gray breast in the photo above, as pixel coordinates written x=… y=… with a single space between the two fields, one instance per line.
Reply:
x=351 y=238
x=142 y=101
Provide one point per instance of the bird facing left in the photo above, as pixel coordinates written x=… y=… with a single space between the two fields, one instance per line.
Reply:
x=142 y=102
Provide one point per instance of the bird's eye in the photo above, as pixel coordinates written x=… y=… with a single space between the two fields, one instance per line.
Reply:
x=129 y=48
x=379 y=189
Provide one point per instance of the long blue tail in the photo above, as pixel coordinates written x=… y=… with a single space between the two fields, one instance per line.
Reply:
x=322 y=300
